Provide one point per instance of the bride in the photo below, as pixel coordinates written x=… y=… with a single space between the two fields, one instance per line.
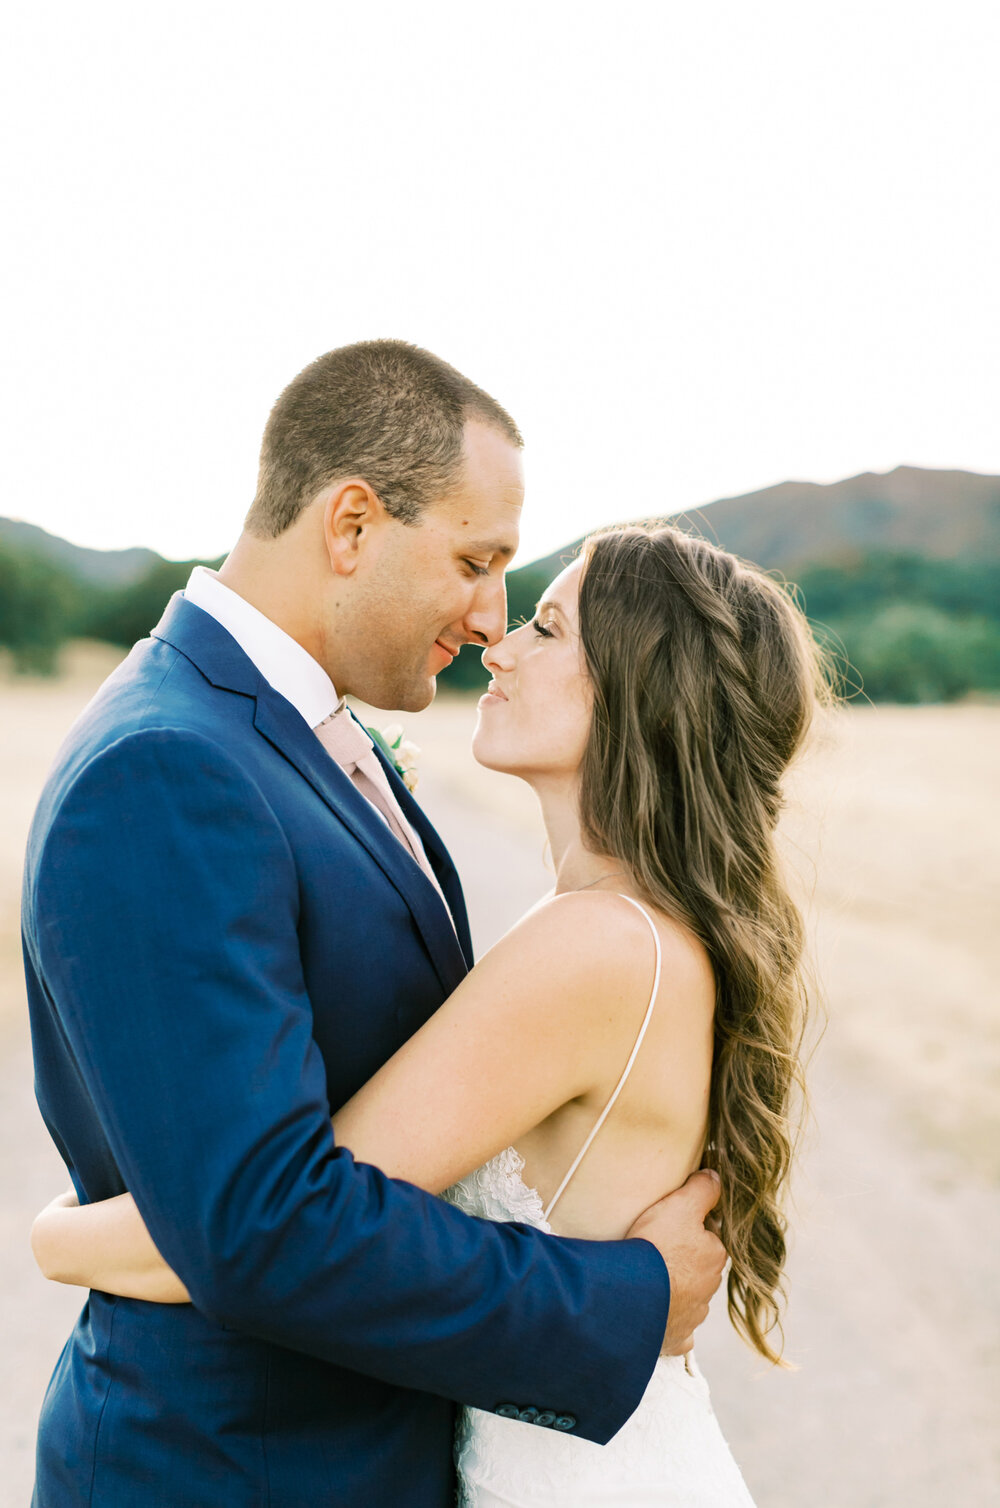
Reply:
x=643 y=1019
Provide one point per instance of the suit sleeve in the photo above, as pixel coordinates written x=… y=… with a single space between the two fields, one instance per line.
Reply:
x=165 y=914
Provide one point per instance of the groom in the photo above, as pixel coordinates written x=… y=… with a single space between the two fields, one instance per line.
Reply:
x=227 y=931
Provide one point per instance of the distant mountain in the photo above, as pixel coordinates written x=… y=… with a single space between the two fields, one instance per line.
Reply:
x=111 y=568
x=941 y=515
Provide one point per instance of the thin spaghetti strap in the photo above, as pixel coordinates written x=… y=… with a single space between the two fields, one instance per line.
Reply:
x=628 y=1066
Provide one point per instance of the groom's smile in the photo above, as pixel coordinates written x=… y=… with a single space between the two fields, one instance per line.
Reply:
x=449 y=653
x=432 y=586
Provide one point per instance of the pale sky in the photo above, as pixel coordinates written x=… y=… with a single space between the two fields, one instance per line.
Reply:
x=693 y=249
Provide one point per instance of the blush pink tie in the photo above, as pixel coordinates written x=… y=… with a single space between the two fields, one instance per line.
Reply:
x=347 y=742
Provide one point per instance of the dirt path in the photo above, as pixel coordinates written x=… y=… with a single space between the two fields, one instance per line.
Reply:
x=894 y=1317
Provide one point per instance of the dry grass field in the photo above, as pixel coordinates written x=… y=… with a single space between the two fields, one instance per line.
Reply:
x=893 y=830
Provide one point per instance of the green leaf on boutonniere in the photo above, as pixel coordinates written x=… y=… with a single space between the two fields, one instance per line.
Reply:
x=401 y=754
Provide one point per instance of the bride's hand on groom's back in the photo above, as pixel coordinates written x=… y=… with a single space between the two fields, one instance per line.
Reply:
x=694 y=1255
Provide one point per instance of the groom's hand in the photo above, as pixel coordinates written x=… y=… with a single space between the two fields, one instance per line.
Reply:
x=695 y=1256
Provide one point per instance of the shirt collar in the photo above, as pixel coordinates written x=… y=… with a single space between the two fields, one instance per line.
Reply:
x=283 y=663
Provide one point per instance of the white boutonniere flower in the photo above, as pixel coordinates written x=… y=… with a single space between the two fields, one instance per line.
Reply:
x=400 y=751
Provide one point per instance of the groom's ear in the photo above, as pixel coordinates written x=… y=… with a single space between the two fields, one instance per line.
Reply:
x=352 y=513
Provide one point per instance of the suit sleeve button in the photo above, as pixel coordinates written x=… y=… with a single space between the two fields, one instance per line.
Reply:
x=528 y=1415
x=508 y=1411
x=565 y=1421
x=546 y=1419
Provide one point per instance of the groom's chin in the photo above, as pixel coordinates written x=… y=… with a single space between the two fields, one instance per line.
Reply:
x=416 y=698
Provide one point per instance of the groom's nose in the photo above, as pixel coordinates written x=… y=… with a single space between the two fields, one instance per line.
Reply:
x=486 y=621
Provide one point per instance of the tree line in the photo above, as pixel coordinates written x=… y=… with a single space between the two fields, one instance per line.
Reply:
x=903 y=628
x=43 y=605
x=896 y=627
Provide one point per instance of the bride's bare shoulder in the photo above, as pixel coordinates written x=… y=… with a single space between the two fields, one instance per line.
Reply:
x=585 y=941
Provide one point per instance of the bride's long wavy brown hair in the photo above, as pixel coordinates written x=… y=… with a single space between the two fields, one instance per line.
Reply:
x=705 y=678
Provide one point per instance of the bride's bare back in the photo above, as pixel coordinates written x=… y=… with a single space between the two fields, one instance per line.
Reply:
x=653 y=1134
x=528 y=1051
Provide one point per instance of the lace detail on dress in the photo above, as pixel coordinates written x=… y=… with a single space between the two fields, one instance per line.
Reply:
x=670 y=1454
x=497 y=1191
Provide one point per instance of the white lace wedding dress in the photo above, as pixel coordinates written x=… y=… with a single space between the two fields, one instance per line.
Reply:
x=670 y=1454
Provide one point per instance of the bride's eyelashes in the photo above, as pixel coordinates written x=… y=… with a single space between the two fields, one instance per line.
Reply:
x=546 y=633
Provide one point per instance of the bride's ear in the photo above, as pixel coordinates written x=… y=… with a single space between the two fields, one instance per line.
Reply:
x=352 y=514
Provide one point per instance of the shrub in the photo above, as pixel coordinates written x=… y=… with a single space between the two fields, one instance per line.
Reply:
x=909 y=652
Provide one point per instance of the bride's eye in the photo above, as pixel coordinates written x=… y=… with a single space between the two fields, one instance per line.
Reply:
x=546 y=633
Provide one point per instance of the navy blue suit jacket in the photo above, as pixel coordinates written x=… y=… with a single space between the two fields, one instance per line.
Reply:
x=222 y=941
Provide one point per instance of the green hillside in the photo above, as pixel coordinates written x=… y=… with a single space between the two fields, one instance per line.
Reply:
x=940 y=515
x=111 y=568
x=900 y=574
x=46 y=600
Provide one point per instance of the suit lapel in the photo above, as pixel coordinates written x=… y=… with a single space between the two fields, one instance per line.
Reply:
x=278 y=722
x=208 y=645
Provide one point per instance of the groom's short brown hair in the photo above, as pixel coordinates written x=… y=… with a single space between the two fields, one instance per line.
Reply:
x=383 y=410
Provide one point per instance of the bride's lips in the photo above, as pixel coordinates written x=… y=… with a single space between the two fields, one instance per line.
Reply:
x=492 y=694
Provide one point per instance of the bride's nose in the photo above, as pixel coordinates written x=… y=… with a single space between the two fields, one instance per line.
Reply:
x=500 y=656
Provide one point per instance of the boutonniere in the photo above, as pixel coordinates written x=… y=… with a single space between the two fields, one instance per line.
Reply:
x=402 y=753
